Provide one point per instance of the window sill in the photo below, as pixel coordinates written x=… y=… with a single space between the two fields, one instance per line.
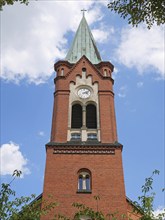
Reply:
x=75 y=139
x=84 y=191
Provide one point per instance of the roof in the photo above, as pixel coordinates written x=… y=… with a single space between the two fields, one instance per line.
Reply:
x=83 y=44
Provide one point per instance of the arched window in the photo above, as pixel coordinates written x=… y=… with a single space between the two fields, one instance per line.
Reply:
x=105 y=72
x=88 y=182
x=84 y=181
x=62 y=71
x=83 y=217
x=91 y=118
x=80 y=182
x=76 y=116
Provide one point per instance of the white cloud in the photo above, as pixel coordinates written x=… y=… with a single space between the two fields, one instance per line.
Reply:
x=159 y=211
x=143 y=49
x=34 y=36
x=140 y=84
x=115 y=72
x=122 y=92
x=41 y=133
x=102 y=36
x=12 y=159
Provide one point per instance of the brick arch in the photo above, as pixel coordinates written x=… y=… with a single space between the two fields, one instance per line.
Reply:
x=84 y=170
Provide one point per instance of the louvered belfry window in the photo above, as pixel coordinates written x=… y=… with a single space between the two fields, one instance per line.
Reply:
x=76 y=116
x=91 y=118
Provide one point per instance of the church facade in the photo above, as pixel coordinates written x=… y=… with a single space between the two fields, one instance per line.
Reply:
x=84 y=157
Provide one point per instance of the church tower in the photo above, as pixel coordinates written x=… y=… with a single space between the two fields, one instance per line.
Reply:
x=83 y=157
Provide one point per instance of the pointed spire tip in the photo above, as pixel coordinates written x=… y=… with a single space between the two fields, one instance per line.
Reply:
x=83 y=44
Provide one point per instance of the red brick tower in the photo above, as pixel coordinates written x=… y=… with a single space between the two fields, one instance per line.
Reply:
x=84 y=158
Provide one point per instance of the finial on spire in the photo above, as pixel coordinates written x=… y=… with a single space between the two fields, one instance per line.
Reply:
x=83 y=10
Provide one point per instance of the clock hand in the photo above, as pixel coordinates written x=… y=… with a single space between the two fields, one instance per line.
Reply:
x=86 y=92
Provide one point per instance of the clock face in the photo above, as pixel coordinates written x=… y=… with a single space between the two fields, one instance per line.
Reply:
x=84 y=93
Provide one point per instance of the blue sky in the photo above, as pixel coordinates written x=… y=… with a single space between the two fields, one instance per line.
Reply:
x=33 y=37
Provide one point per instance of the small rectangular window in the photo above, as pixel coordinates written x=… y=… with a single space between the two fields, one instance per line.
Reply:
x=105 y=72
x=75 y=136
x=92 y=136
x=62 y=72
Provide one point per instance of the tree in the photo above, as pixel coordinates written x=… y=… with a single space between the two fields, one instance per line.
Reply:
x=11 y=2
x=22 y=208
x=147 y=200
x=140 y=11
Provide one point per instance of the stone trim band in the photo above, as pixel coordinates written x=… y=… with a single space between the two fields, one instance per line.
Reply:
x=84 y=151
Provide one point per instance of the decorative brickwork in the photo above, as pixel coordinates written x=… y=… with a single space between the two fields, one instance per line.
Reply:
x=103 y=157
x=89 y=145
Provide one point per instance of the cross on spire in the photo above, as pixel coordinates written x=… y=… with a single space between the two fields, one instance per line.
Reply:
x=83 y=10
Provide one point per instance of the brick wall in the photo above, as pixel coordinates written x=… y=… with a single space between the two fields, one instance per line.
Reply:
x=61 y=181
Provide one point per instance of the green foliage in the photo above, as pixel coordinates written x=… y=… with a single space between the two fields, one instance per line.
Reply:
x=146 y=11
x=84 y=210
x=21 y=208
x=60 y=217
x=147 y=200
x=11 y=2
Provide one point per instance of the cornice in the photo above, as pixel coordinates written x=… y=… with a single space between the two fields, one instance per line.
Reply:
x=83 y=148
x=91 y=144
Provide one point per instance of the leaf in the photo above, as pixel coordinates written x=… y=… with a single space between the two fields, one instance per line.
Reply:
x=149 y=12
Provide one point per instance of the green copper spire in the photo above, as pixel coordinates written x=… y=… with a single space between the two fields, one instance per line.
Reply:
x=83 y=44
